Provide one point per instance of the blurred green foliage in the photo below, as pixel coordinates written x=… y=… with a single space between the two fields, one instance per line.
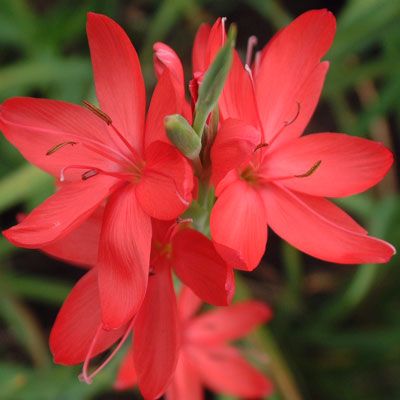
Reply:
x=338 y=328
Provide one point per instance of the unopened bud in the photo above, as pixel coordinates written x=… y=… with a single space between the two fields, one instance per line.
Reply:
x=213 y=82
x=182 y=135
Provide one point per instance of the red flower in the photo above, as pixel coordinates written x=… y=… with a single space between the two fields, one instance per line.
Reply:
x=266 y=174
x=113 y=154
x=78 y=333
x=205 y=357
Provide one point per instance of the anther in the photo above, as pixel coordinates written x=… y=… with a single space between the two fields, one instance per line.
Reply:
x=295 y=117
x=95 y=110
x=311 y=170
x=260 y=146
x=58 y=147
x=89 y=174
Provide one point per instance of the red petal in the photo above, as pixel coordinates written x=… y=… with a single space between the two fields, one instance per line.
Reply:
x=188 y=303
x=224 y=370
x=118 y=77
x=165 y=101
x=81 y=246
x=199 y=48
x=349 y=164
x=35 y=126
x=164 y=191
x=238 y=221
x=198 y=265
x=124 y=257
x=186 y=383
x=127 y=377
x=228 y=323
x=289 y=63
x=156 y=336
x=234 y=145
x=166 y=58
x=238 y=87
x=77 y=323
x=291 y=216
x=215 y=41
x=61 y=213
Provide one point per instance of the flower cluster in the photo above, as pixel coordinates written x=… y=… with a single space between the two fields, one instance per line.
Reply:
x=191 y=187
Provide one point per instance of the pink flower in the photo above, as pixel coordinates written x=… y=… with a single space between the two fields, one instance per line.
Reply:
x=205 y=358
x=266 y=174
x=78 y=333
x=113 y=155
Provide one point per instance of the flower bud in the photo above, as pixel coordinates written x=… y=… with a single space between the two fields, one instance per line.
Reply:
x=182 y=135
x=213 y=82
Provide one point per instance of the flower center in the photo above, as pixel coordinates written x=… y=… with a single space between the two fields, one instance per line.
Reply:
x=249 y=174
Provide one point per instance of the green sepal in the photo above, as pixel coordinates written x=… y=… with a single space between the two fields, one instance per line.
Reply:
x=182 y=135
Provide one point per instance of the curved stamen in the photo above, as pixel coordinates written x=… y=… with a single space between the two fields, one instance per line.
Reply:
x=286 y=123
x=92 y=171
x=79 y=139
x=137 y=157
x=250 y=73
x=311 y=170
x=89 y=174
x=84 y=377
x=95 y=110
x=259 y=146
x=101 y=114
x=58 y=147
x=251 y=43
x=296 y=116
x=305 y=175
x=89 y=147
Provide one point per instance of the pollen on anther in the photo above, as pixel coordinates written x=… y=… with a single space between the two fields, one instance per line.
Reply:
x=261 y=145
x=58 y=147
x=311 y=170
x=98 y=112
x=89 y=174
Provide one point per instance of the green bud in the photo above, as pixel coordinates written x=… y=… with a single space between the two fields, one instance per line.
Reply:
x=213 y=82
x=182 y=135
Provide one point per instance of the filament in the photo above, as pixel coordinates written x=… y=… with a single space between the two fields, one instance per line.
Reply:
x=92 y=171
x=287 y=123
x=251 y=43
x=84 y=377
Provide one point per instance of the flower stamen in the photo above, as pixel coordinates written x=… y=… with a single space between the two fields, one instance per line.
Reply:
x=310 y=171
x=93 y=171
x=89 y=174
x=295 y=117
x=58 y=147
x=101 y=114
x=259 y=146
x=305 y=175
x=286 y=123
x=84 y=377
x=95 y=110
x=251 y=43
